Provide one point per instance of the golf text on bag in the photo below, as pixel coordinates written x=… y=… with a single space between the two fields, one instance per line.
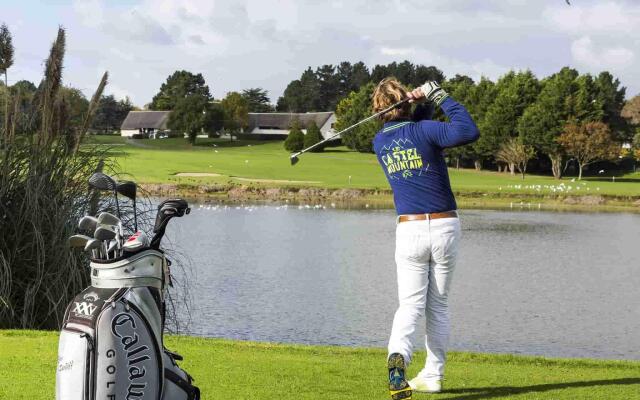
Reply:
x=111 y=344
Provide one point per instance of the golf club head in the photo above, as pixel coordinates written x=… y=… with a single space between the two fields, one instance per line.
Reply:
x=106 y=218
x=88 y=224
x=113 y=245
x=294 y=159
x=169 y=209
x=101 y=181
x=104 y=232
x=136 y=241
x=127 y=188
x=92 y=244
x=78 y=240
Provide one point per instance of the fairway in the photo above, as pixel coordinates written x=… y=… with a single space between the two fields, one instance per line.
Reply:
x=266 y=163
x=226 y=369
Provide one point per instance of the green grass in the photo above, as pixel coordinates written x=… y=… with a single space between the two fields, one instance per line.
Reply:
x=157 y=161
x=227 y=369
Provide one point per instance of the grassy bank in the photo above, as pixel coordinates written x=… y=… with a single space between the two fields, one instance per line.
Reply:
x=244 y=370
x=265 y=164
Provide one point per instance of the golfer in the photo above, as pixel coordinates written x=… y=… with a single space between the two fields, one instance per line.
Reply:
x=410 y=149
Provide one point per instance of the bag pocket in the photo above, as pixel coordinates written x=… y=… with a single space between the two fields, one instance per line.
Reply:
x=178 y=385
x=75 y=365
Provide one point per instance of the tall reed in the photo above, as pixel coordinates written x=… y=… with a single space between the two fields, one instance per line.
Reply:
x=43 y=192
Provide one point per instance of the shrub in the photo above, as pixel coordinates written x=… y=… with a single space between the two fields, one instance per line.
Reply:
x=295 y=140
x=312 y=137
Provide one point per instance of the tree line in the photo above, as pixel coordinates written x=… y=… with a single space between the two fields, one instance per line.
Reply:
x=524 y=120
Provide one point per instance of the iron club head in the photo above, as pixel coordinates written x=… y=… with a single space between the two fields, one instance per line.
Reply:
x=78 y=240
x=294 y=159
x=104 y=232
x=88 y=224
x=92 y=244
x=105 y=218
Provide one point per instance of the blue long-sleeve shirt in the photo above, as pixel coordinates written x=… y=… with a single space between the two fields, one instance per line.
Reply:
x=411 y=155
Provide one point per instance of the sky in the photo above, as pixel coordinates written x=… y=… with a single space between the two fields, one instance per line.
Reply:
x=239 y=44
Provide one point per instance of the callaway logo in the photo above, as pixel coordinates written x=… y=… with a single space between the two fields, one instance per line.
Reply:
x=91 y=296
x=84 y=308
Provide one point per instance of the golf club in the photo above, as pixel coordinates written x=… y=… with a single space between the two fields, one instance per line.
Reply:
x=93 y=245
x=105 y=218
x=167 y=210
x=78 y=240
x=113 y=246
x=104 y=233
x=101 y=181
x=136 y=242
x=88 y=224
x=129 y=189
x=294 y=156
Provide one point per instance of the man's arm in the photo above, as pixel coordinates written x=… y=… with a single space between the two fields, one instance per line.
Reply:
x=460 y=129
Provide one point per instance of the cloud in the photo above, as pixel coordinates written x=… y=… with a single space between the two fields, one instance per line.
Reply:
x=238 y=44
x=586 y=53
x=608 y=18
x=390 y=51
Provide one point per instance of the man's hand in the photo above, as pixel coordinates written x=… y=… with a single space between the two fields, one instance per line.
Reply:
x=433 y=92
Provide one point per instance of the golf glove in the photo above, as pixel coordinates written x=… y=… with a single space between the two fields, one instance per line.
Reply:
x=434 y=93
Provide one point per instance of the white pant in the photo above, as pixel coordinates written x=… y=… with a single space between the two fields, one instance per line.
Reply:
x=426 y=253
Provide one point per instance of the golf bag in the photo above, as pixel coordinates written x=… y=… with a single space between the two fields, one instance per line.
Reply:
x=111 y=344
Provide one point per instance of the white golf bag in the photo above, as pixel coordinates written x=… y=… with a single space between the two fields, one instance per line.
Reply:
x=111 y=345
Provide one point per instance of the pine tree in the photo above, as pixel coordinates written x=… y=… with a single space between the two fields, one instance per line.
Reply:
x=312 y=137
x=295 y=140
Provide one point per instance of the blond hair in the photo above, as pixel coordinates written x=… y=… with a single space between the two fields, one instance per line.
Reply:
x=388 y=92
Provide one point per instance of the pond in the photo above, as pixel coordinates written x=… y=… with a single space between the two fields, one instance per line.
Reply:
x=544 y=283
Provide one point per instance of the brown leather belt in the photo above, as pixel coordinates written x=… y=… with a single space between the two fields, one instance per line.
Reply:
x=422 y=217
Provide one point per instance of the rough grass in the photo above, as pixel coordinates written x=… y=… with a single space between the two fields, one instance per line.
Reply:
x=157 y=161
x=227 y=369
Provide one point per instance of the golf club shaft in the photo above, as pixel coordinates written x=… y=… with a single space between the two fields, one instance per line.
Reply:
x=386 y=110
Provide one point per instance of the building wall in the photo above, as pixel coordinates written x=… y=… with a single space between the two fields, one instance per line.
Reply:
x=327 y=130
x=129 y=132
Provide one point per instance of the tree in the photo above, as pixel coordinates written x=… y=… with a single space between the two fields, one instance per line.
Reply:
x=460 y=88
x=514 y=93
x=631 y=111
x=257 y=100
x=188 y=116
x=295 y=139
x=301 y=95
x=312 y=137
x=111 y=113
x=6 y=61
x=76 y=103
x=516 y=155
x=610 y=96
x=352 y=109
x=213 y=119
x=179 y=85
x=588 y=142
x=423 y=74
x=236 y=112
x=359 y=77
x=543 y=121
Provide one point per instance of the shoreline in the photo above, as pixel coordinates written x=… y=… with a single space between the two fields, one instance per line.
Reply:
x=357 y=198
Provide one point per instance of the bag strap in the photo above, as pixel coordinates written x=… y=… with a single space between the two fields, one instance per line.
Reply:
x=192 y=392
